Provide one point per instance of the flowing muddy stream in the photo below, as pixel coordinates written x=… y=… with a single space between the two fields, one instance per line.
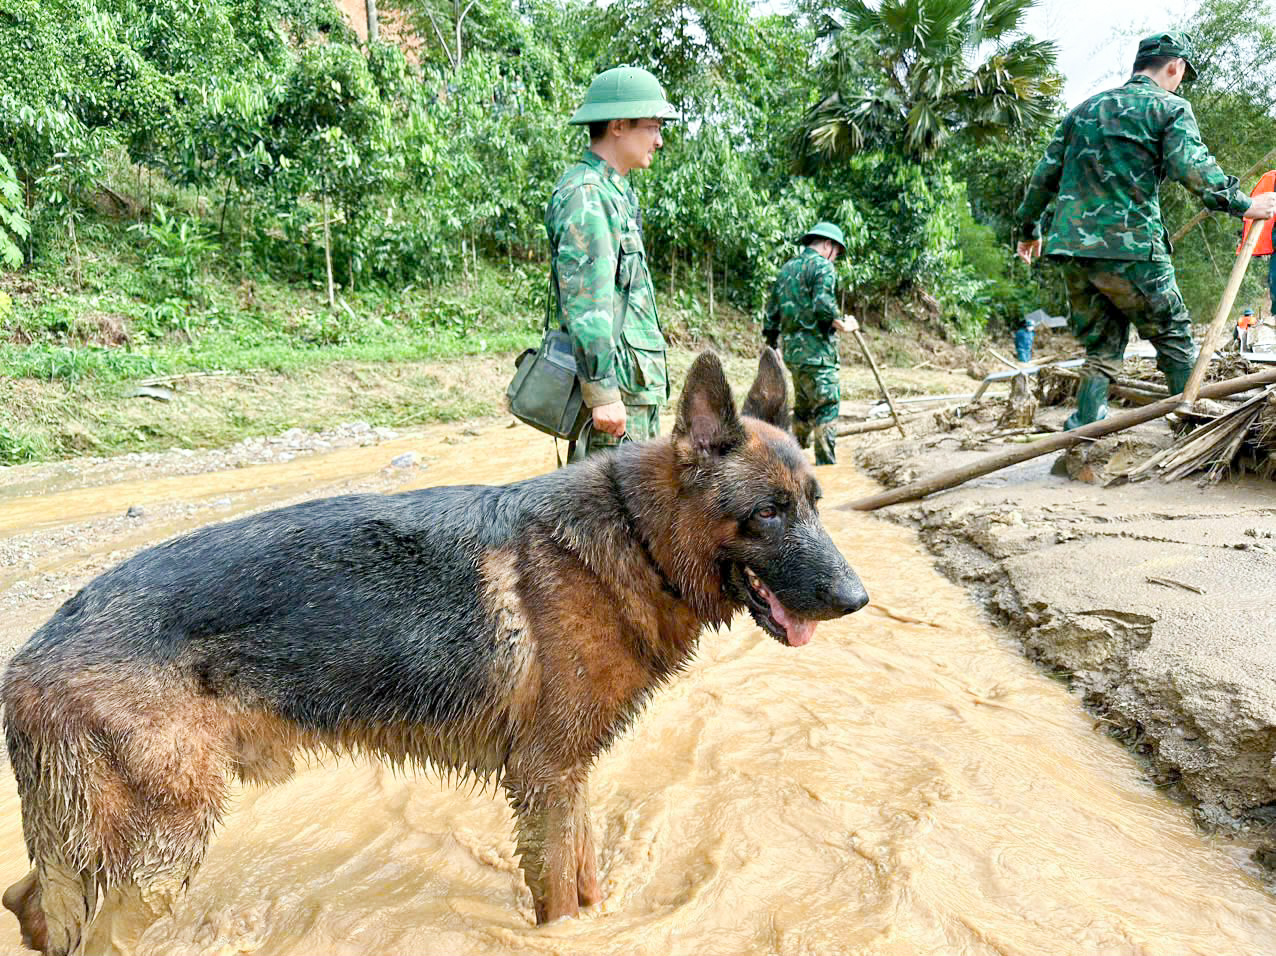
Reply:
x=906 y=784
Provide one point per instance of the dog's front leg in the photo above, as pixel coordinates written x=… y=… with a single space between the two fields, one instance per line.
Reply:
x=588 y=891
x=550 y=844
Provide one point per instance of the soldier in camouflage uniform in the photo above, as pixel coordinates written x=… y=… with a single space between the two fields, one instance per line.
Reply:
x=1104 y=168
x=598 y=266
x=803 y=309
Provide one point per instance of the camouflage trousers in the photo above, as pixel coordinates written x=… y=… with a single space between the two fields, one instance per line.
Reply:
x=1108 y=295
x=641 y=422
x=817 y=400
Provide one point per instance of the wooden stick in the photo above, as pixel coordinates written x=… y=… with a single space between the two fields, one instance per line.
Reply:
x=1257 y=169
x=1193 y=386
x=1003 y=360
x=1113 y=423
x=859 y=428
x=873 y=425
x=880 y=384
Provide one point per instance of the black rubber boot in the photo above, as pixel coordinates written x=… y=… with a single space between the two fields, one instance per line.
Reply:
x=1092 y=402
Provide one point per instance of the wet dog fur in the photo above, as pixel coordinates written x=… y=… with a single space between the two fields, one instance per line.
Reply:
x=503 y=633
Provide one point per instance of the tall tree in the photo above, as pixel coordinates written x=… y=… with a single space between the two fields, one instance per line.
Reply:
x=907 y=75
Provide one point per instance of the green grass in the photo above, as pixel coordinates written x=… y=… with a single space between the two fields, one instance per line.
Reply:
x=251 y=354
x=70 y=354
x=119 y=326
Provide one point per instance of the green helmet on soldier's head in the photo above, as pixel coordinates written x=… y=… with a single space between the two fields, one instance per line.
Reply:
x=1171 y=43
x=625 y=92
x=825 y=230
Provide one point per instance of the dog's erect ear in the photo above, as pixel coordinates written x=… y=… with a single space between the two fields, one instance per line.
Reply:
x=706 y=412
x=768 y=399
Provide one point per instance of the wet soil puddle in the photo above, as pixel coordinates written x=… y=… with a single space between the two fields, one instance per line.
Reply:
x=906 y=784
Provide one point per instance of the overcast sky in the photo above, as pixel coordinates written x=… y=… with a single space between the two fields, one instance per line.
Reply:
x=1097 y=38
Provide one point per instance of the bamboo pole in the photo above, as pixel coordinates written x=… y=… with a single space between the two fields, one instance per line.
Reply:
x=1114 y=423
x=1212 y=335
x=1257 y=169
x=872 y=425
x=880 y=384
x=327 y=249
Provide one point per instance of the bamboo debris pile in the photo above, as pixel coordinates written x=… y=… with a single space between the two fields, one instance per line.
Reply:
x=1233 y=429
x=1140 y=384
x=1234 y=435
x=1058 y=386
x=1243 y=438
x=1116 y=422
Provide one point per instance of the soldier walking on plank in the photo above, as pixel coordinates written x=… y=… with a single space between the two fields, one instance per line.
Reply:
x=1104 y=168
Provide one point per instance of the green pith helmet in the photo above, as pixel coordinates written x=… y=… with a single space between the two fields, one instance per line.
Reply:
x=625 y=92
x=1173 y=43
x=825 y=230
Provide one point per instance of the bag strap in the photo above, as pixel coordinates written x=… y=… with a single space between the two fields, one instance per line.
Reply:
x=553 y=294
x=582 y=439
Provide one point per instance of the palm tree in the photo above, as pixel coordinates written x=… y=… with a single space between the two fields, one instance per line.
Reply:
x=909 y=74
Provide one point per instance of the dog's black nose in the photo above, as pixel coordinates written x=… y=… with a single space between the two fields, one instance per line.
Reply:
x=848 y=595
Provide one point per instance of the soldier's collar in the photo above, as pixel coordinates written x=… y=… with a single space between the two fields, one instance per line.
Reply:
x=1142 y=78
x=597 y=162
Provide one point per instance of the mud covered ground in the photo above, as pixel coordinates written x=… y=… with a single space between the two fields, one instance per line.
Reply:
x=906 y=784
x=1153 y=601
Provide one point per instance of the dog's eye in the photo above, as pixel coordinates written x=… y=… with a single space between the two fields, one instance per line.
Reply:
x=767 y=512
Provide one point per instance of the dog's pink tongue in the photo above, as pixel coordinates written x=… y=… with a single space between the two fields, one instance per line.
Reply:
x=796 y=631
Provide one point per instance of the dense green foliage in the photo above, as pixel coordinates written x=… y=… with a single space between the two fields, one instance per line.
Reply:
x=13 y=225
x=262 y=138
x=901 y=76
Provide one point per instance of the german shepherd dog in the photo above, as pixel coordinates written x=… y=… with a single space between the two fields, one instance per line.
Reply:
x=507 y=634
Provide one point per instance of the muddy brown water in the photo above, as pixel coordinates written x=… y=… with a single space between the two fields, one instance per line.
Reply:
x=906 y=784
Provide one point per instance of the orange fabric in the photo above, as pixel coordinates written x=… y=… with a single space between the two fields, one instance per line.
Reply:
x=1266 y=184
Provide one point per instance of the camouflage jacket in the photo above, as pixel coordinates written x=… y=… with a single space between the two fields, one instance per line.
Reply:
x=598 y=263
x=1105 y=165
x=802 y=307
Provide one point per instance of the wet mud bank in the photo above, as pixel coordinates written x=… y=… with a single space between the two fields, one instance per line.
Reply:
x=1154 y=602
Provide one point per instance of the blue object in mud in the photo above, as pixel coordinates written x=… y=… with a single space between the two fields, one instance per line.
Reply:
x=1023 y=343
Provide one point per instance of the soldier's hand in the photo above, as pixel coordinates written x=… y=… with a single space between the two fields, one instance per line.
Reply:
x=846 y=323
x=1026 y=250
x=610 y=418
x=1263 y=206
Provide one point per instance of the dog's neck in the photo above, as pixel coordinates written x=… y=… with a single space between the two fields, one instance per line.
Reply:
x=647 y=485
x=638 y=533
